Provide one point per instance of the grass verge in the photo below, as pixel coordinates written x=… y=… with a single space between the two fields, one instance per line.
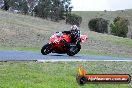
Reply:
x=57 y=74
x=102 y=53
x=20 y=49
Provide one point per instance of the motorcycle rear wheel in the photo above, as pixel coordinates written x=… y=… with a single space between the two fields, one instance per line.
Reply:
x=73 y=50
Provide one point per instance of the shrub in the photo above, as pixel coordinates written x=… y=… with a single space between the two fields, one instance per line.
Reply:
x=98 y=25
x=73 y=19
x=119 y=27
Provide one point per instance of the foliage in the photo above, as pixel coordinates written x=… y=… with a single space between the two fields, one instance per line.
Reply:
x=53 y=9
x=6 y=5
x=98 y=25
x=119 y=27
x=74 y=19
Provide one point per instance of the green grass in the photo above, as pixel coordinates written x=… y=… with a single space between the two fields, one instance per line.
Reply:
x=20 y=49
x=102 y=53
x=116 y=40
x=57 y=74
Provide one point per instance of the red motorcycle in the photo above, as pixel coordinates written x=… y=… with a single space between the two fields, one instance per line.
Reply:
x=61 y=43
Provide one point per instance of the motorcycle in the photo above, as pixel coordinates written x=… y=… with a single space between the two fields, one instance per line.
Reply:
x=61 y=43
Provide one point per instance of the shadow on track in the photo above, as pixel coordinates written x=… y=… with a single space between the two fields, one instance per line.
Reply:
x=64 y=55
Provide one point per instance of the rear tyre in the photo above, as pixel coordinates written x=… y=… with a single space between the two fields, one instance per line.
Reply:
x=73 y=50
x=46 y=49
x=78 y=48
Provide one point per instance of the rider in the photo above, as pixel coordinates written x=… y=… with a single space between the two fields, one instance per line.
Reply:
x=74 y=32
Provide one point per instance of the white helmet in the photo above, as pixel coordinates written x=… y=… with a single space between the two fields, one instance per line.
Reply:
x=74 y=27
x=59 y=34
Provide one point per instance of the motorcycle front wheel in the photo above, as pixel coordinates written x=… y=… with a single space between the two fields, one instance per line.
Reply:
x=46 y=49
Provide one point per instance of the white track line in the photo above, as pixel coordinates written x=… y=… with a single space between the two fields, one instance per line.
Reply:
x=80 y=60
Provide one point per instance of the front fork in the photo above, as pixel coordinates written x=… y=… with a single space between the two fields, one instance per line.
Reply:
x=52 y=46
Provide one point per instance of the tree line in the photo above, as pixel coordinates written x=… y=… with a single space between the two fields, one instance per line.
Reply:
x=119 y=26
x=47 y=9
x=53 y=9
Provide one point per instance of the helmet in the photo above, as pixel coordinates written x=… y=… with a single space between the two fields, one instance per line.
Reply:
x=74 y=27
x=59 y=34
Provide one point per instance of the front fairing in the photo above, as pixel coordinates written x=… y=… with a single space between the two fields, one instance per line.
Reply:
x=57 y=39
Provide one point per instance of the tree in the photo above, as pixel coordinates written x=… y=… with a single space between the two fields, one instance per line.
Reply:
x=43 y=9
x=119 y=27
x=98 y=25
x=53 y=9
x=74 y=19
x=22 y=6
x=6 y=5
x=31 y=5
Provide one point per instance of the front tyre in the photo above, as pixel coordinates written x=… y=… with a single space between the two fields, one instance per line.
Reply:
x=46 y=49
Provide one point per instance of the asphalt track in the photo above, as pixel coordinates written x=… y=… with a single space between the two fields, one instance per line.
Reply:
x=36 y=56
